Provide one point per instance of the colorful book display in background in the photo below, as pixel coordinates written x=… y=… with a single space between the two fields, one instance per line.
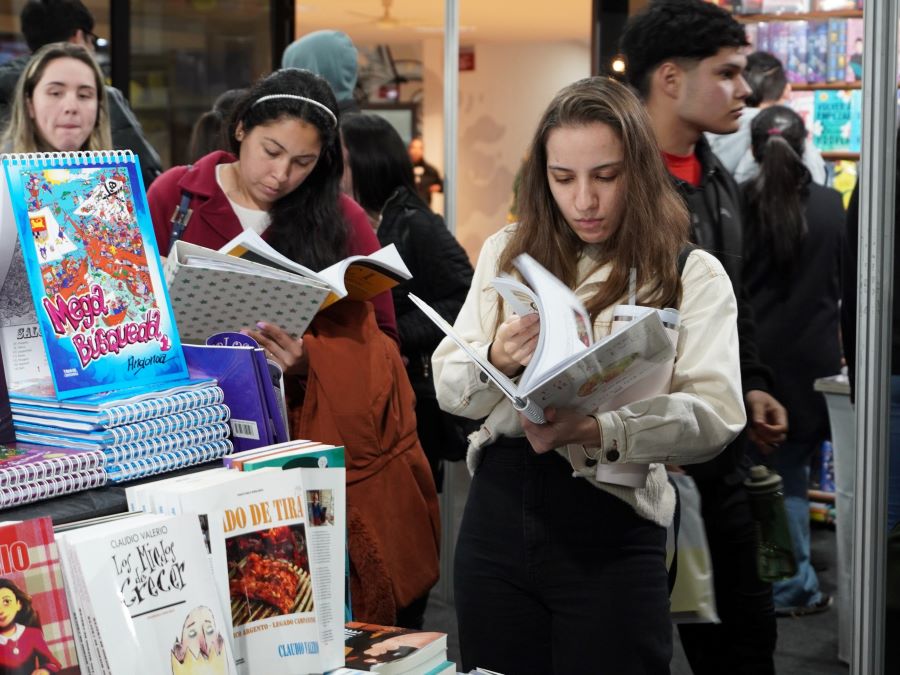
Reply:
x=31 y=577
x=93 y=269
x=391 y=650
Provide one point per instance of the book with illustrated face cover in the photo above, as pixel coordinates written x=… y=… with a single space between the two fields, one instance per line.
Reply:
x=36 y=631
x=144 y=599
x=94 y=276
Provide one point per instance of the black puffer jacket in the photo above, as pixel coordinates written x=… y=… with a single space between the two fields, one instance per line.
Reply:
x=440 y=267
x=126 y=130
x=716 y=226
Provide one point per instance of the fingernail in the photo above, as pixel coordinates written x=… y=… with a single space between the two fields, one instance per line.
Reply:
x=260 y=325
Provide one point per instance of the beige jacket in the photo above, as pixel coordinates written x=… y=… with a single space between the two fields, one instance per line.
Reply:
x=702 y=414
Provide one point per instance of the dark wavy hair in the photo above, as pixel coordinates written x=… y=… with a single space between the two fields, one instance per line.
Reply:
x=775 y=199
x=27 y=616
x=765 y=76
x=675 y=29
x=653 y=229
x=378 y=158
x=307 y=225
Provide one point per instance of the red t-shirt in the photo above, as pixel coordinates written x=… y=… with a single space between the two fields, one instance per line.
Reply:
x=686 y=168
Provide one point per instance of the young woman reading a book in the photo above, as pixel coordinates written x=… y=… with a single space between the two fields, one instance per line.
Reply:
x=555 y=570
x=346 y=380
x=281 y=179
x=60 y=103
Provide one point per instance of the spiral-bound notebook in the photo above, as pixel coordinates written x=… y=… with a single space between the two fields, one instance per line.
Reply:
x=93 y=271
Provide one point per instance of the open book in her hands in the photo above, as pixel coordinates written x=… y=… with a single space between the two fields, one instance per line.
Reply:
x=247 y=281
x=568 y=369
x=358 y=277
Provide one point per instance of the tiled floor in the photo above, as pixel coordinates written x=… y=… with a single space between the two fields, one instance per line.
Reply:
x=806 y=646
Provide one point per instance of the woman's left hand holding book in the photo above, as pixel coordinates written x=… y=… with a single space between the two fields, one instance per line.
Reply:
x=281 y=347
x=563 y=426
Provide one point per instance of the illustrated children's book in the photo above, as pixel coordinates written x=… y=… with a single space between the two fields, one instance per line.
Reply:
x=143 y=596
x=33 y=602
x=94 y=273
x=567 y=369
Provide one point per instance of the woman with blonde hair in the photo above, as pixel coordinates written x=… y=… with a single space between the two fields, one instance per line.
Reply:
x=60 y=103
x=554 y=569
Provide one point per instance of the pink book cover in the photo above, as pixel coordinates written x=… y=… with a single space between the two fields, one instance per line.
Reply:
x=854 y=50
x=34 y=615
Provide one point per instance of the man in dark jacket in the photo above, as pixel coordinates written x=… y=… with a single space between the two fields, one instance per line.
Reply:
x=685 y=59
x=46 y=21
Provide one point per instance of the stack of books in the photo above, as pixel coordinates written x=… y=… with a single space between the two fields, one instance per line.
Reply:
x=277 y=541
x=137 y=432
x=389 y=650
x=98 y=380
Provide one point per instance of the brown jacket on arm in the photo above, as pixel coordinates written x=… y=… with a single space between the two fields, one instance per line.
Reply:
x=358 y=395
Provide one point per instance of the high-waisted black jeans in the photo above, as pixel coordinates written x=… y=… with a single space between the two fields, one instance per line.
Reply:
x=553 y=575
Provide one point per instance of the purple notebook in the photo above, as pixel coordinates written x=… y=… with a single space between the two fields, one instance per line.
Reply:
x=22 y=463
x=236 y=370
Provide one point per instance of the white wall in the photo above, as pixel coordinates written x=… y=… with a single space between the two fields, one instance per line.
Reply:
x=500 y=104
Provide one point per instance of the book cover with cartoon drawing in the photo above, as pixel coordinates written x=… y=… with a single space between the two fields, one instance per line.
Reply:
x=35 y=623
x=93 y=269
x=142 y=588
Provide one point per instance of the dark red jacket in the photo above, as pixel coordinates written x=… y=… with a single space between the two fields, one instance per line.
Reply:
x=213 y=222
x=358 y=396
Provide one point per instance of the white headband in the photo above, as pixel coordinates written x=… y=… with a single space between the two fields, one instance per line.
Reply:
x=295 y=97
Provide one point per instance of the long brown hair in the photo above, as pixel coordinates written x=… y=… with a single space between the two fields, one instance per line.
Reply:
x=655 y=220
x=21 y=135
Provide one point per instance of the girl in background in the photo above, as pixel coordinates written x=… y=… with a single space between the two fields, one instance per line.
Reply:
x=794 y=239
x=60 y=103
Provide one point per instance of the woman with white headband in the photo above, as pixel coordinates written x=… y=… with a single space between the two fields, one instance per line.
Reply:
x=345 y=379
x=282 y=179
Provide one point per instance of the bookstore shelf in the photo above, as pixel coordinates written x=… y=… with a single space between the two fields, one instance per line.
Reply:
x=799 y=86
x=801 y=16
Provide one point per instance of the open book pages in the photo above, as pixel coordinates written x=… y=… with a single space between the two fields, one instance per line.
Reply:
x=359 y=277
x=212 y=292
x=584 y=380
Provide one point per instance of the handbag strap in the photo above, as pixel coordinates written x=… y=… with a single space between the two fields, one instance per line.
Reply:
x=181 y=216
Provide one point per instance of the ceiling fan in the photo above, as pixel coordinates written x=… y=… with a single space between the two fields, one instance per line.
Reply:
x=384 y=21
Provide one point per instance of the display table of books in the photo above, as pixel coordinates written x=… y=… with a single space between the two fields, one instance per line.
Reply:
x=231 y=562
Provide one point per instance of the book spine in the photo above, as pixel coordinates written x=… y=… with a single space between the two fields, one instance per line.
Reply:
x=170 y=461
x=166 y=425
x=168 y=443
x=160 y=407
x=46 y=468
x=52 y=486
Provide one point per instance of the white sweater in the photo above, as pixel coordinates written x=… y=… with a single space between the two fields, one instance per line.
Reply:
x=702 y=414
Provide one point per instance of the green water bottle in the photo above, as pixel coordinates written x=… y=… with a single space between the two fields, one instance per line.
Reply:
x=774 y=549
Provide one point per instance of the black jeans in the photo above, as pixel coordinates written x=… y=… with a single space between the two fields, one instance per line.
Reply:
x=744 y=643
x=553 y=575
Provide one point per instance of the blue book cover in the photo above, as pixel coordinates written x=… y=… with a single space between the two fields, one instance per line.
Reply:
x=817 y=51
x=833 y=125
x=797 y=52
x=236 y=370
x=94 y=271
x=837 y=50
